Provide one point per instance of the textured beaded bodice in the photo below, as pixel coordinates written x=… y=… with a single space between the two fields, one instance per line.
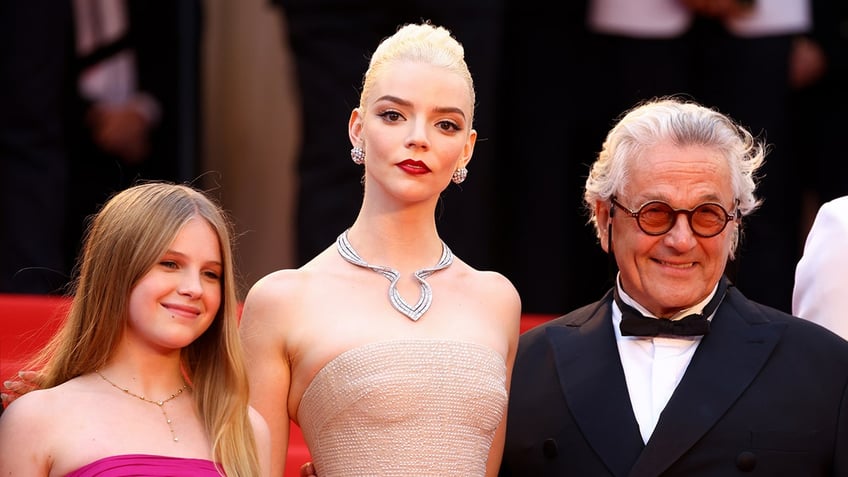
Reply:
x=403 y=408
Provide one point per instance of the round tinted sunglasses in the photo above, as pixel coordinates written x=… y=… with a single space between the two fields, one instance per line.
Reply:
x=656 y=217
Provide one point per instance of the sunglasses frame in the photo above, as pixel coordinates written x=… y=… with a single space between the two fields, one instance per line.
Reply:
x=676 y=212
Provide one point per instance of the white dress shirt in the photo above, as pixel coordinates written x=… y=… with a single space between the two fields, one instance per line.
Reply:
x=639 y=19
x=653 y=366
x=112 y=81
x=98 y=23
x=774 y=17
x=821 y=277
x=670 y=18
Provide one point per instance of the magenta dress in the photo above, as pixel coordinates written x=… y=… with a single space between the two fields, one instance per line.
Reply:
x=134 y=465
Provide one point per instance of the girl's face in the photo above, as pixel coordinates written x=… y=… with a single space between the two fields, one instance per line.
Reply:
x=178 y=298
x=415 y=130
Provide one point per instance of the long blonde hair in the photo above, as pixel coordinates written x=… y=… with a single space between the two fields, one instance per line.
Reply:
x=126 y=238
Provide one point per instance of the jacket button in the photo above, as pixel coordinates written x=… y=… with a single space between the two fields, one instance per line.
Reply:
x=549 y=448
x=746 y=461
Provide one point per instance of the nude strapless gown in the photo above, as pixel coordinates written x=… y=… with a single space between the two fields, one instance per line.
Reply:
x=405 y=408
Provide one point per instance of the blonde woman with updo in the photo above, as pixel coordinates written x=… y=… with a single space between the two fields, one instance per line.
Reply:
x=392 y=354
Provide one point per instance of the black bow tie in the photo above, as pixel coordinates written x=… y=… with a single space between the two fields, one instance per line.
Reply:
x=634 y=323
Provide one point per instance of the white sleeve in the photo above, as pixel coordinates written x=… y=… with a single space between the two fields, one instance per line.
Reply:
x=821 y=277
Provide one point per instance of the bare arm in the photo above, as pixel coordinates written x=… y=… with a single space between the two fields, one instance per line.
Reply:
x=23 y=447
x=510 y=321
x=268 y=367
x=262 y=435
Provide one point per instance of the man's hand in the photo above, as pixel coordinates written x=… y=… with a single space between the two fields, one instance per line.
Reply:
x=121 y=130
x=721 y=9
x=807 y=63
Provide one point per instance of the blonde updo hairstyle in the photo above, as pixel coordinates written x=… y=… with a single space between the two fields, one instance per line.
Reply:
x=421 y=43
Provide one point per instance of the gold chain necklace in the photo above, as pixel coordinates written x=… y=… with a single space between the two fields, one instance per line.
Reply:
x=161 y=403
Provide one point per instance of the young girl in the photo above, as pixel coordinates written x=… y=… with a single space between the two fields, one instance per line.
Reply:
x=146 y=375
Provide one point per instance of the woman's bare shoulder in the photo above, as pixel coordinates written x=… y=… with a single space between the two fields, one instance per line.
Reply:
x=492 y=290
x=490 y=282
x=280 y=283
x=285 y=294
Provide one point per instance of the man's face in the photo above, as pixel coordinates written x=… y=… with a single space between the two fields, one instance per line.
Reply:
x=675 y=270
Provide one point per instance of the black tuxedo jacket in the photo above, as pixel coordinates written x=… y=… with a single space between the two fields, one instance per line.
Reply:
x=766 y=394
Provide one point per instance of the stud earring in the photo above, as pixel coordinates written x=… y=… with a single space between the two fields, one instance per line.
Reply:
x=358 y=155
x=459 y=175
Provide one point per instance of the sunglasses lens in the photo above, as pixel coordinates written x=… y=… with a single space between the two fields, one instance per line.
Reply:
x=656 y=218
x=708 y=219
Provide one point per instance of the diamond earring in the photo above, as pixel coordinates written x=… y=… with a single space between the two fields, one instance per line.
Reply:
x=459 y=175
x=358 y=155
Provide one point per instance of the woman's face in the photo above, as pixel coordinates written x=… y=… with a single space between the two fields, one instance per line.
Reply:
x=415 y=130
x=178 y=298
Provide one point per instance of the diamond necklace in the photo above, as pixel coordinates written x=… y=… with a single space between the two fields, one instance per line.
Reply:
x=426 y=295
x=161 y=404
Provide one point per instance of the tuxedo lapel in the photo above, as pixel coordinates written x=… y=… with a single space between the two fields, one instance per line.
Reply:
x=589 y=368
x=724 y=365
